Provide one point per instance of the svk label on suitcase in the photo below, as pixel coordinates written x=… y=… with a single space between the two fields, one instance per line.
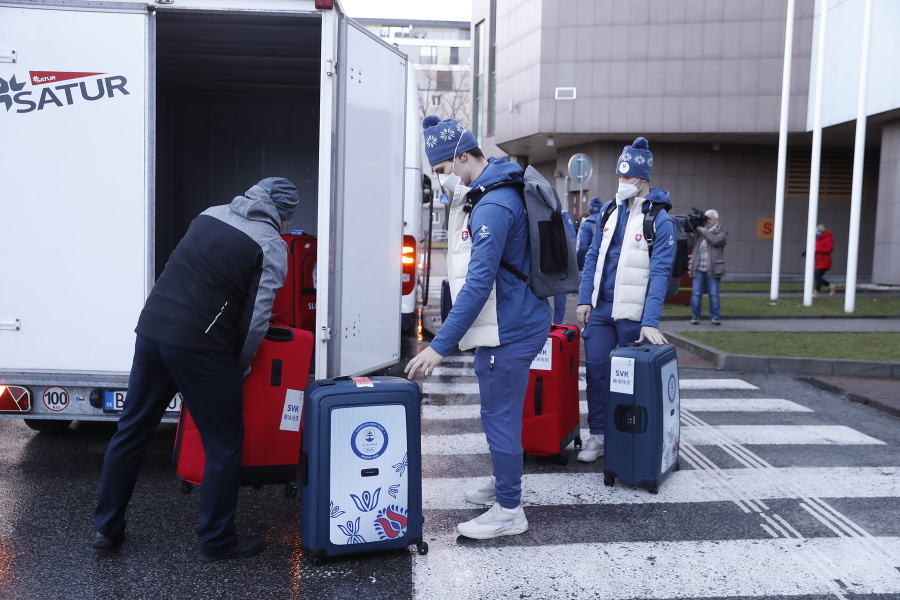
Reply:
x=544 y=359
x=621 y=378
x=290 y=415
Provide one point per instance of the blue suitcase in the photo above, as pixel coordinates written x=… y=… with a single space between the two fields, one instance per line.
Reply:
x=643 y=429
x=361 y=466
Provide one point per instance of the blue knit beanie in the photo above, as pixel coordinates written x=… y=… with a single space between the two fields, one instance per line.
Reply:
x=446 y=139
x=283 y=193
x=595 y=205
x=636 y=160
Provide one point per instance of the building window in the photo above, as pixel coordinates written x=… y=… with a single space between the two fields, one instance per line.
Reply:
x=479 y=83
x=395 y=32
x=428 y=55
x=444 y=81
x=454 y=55
x=492 y=71
x=835 y=174
x=435 y=100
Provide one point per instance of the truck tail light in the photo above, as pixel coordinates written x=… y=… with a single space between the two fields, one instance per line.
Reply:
x=324 y=3
x=409 y=264
x=14 y=398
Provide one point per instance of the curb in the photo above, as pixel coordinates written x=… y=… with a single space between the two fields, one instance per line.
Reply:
x=828 y=387
x=782 y=364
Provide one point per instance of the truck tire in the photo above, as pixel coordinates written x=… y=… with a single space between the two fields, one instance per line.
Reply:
x=48 y=425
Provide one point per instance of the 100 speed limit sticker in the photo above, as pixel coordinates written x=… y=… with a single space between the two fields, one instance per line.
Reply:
x=56 y=399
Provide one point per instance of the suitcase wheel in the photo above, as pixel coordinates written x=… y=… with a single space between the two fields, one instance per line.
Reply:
x=290 y=491
x=578 y=442
x=677 y=465
x=186 y=487
x=422 y=548
x=653 y=489
x=319 y=561
x=609 y=480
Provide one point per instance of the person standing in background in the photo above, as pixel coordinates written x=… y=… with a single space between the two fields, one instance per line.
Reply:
x=586 y=231
x=707 y=266
x=824 y=248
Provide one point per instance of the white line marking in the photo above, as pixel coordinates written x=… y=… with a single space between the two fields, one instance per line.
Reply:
x=430 y=387
x=472 y=411
x=723 y=568
x=474 y=443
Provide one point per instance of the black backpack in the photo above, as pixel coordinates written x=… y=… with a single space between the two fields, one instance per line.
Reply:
x=554 y=264
x=680 y=264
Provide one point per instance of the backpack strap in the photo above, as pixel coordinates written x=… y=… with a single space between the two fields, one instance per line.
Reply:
x=607 y=212
x=476 y=194
x=650 y=225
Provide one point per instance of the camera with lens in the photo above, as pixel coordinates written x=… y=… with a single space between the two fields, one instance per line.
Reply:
x=696 y=218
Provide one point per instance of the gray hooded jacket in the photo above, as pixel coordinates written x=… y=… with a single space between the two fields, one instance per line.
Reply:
x=216 y=292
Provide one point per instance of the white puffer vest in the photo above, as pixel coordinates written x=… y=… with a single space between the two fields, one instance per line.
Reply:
x=485 y=330
x=633 y=272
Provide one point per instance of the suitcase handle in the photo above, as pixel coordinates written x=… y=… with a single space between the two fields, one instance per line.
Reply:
x=279 y=334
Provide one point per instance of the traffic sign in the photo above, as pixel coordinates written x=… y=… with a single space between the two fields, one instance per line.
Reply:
x=580 y=168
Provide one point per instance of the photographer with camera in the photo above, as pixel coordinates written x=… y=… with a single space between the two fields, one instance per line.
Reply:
x=707 y=264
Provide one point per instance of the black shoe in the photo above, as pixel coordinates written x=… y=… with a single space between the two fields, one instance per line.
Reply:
x=106 y=541
x=246 y=545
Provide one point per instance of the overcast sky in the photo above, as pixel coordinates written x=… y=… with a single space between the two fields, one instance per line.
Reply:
x=438 y=10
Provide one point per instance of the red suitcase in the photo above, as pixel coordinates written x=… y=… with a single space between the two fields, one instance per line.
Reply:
x=273 y=400
x=551 y=418
x=295 y=303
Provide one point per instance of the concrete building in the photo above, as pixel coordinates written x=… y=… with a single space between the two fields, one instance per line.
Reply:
x=701 y=79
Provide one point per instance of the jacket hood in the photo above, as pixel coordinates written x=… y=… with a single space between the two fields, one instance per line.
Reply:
x=657 y=196
x=257 y=205
x=498 y=169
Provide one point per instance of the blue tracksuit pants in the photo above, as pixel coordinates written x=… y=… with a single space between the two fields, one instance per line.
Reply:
x=502 y=381
x=212 y=386
x=601 y=336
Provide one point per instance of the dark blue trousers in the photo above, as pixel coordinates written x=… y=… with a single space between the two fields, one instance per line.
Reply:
x=502 y=374
x=212 y=387
x=601 y=336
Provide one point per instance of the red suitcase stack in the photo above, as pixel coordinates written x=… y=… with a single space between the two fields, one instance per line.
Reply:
x=295 y=303
x=273 y=400
x=551 y=417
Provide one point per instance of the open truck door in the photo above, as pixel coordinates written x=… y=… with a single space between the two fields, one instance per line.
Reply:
x=74 y=117
x=366 y=225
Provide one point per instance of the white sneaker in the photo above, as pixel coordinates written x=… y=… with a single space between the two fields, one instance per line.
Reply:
x=592 y=449
x=494 y=523
x=484 y=496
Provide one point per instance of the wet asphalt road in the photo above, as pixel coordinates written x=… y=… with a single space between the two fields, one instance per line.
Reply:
x=48 y=486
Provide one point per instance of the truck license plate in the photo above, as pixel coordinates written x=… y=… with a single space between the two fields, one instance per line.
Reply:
x=114 y=402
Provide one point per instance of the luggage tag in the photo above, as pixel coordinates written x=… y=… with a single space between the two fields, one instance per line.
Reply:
x=362 y=382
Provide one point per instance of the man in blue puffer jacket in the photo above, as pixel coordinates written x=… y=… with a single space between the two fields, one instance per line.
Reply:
x=623 y=287
x=493 y=311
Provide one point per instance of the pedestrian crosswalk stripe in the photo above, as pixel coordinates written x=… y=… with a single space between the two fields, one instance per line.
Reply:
x=432 y=387
x=779 y=434
x=574 y=489
x=652 y=570
x=475 y=443
x=472 y=411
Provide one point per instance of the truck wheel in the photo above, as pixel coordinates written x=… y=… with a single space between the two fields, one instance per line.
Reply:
x=48 y=425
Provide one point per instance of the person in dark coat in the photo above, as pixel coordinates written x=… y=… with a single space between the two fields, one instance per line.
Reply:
x=199 y=329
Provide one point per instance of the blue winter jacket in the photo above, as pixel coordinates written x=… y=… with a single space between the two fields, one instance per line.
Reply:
x=499 y=231
x=660 y=261
x=586 y=231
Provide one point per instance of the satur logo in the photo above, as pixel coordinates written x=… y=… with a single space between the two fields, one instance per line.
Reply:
x=42 y=93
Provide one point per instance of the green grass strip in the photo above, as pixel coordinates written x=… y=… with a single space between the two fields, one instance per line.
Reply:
x=793 y=306
x=883 y=347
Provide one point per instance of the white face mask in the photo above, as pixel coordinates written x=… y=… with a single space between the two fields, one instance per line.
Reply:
x=450 y=182
x=628 y=190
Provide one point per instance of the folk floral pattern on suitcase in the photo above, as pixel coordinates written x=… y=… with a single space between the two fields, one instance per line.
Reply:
x=363 y=439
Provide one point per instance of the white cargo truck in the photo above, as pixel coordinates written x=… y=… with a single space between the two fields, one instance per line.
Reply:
x=121 y=121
